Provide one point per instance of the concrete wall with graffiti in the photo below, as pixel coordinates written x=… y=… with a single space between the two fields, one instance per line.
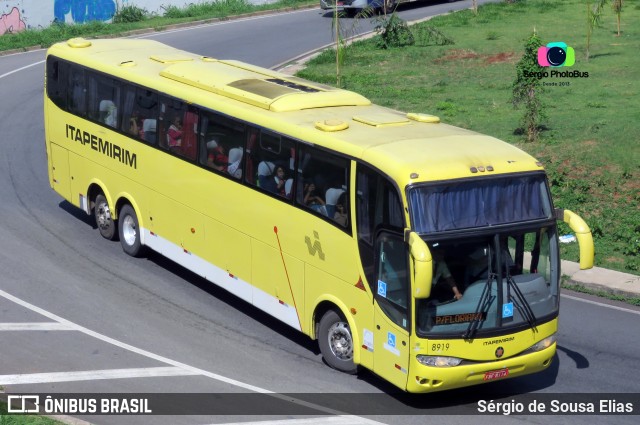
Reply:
x=17 y=15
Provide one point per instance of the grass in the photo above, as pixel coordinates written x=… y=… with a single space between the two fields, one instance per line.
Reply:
x=603 y=294
x=219 y=9
x=7 y=419
x=590 y=147
x=591 y=143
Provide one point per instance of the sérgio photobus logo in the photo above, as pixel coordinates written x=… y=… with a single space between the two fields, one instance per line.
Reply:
x=553 y=59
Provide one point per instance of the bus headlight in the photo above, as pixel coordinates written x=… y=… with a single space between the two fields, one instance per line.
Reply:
x=541 y=345
x=438 y=361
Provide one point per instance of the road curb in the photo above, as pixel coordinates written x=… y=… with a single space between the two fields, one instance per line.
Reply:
x=297 y=63
x=611 y=282
x=170 y=27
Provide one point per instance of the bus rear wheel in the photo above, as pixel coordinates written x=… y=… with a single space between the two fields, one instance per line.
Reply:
x=129 y=231
x=336 y=342
x=104 y=219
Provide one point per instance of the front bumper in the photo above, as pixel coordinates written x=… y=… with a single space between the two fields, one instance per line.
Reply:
x=424 y=379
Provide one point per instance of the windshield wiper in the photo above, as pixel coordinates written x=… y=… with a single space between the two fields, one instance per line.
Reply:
x=483 y=307
x=519 y=300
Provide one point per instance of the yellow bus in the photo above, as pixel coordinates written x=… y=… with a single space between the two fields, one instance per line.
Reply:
x=421 y=251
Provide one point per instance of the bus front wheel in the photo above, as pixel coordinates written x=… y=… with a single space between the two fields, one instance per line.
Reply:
x=129 y=231
x=336 y=342
x=104 y=219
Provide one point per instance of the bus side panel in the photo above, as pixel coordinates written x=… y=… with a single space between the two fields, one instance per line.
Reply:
x=60 y=171
x=179 y=224
x=272 y=271
x=228 y=249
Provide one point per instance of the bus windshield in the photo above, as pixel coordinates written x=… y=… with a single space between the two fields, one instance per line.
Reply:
x=489 y=283
x=468 y=204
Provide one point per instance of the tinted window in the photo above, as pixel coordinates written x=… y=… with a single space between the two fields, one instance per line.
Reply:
x=222 y=144
x=177 y=127
x=322 y=184
x=273 y=162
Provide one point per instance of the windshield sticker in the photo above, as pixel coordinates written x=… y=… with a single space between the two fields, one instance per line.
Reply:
x=390 y=345
x=382 y=289
x=460 y=318
x=507 y=310
x=367 y=340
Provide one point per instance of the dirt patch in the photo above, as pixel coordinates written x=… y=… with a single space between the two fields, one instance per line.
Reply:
x=500 y=57
x=460 y=54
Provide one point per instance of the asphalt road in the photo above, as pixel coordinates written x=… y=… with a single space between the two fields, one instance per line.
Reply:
x=78 y=315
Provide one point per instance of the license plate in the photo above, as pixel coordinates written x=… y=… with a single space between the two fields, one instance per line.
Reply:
x=496 y=374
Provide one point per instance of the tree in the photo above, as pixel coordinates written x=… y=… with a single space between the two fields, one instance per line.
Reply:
x=594 y=16
x=527 y=88
x=617 y=8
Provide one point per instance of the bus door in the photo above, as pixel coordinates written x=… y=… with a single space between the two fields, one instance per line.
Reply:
x=384 y=257
x=392 y=320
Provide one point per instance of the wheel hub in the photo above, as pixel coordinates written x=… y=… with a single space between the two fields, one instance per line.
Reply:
x=340 y=341
x=104 y=216
x=129 y=231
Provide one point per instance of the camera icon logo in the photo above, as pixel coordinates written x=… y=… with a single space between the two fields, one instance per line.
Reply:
x=556 y=54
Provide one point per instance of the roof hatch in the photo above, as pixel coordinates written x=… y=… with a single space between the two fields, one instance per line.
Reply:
x=259 y=87
x=382 y=119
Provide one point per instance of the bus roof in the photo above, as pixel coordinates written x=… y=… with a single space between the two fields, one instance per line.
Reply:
x=409 y=147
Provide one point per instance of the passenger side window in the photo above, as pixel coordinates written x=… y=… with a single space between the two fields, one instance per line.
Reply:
x=57 y=80
x=77 y=92
x=222 y=144
x=177 y=128
x=323 y=184
x=104 y=99
x=273 y=159
x=140 y=114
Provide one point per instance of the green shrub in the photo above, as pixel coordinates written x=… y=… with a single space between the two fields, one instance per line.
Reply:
x=129 y=14
x=393 y=32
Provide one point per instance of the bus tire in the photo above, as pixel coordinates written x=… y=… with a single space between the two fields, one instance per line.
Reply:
x=336 y=342
x=104 y=218
x=129 y=231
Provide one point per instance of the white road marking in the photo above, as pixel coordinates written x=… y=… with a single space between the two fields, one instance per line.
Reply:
x=322 y=420
x=178 y=368
x=6 y=74
x=45 y=326
x=128 y=347
x=91 y=375
x=614 y=307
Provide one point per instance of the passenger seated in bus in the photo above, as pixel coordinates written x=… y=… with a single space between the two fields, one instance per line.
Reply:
x=174 y=134
x=288 y=185
x=265 y=170
x=276 y=184
x=216 y=156
x=235 y=162
x=443 y=284
x=149 y=130
x=332 y=195
x=340 y=216
x=134 y=126
x=313 y=200
x=108 y=113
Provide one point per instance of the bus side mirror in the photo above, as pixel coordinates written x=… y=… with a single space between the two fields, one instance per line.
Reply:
x=422 y=266
x=583 y=235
